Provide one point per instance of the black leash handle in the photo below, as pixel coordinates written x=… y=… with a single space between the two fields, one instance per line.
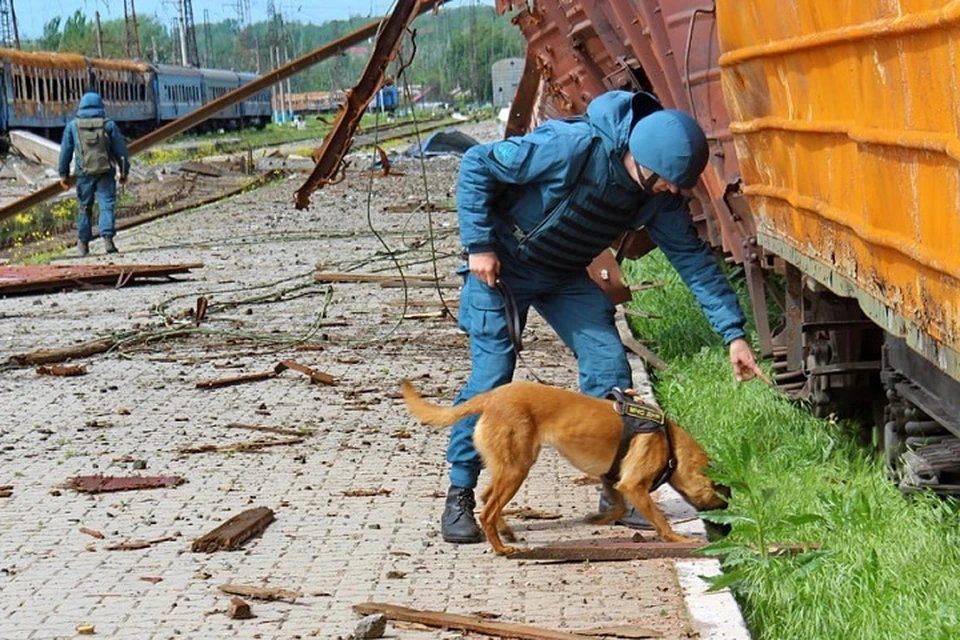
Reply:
x=514 y=329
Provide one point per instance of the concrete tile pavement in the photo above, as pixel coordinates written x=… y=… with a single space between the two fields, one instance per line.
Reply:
x=337 y=549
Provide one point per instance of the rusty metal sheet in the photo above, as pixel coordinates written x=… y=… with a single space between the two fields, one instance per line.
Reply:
x=608 y=549
x=16 y=279
x=105 y=484
x=44 y=60
x=846 y=122
x=581 y=49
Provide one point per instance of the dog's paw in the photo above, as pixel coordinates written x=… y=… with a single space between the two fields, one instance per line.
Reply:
x=676 y=537
x=506 y=550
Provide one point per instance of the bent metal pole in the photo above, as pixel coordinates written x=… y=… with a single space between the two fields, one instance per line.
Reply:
x=225 y=101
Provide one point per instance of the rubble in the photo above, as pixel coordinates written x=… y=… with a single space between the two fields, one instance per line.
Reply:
x=234 y=532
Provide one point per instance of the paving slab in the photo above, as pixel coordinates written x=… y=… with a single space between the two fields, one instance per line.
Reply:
x=138 y=405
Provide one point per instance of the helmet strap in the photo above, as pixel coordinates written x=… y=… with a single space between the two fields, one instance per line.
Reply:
x=648 y=183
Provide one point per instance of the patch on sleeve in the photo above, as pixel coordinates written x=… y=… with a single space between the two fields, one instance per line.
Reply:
x=505 y=152
x=510 y=154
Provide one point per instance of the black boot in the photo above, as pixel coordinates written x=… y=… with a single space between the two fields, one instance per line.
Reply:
x=632 y=518
x=457 y=524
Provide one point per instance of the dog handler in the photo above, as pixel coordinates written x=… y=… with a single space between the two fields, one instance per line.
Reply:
x=534 y=211
x=100 y=149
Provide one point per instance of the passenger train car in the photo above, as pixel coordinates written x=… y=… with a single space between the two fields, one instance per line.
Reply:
x=41 y=91
x=834 y=179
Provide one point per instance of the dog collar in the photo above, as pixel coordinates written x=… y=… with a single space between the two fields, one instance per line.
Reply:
x=638 y=417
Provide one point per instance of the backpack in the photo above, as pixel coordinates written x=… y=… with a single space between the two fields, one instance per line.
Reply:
x=94 y=149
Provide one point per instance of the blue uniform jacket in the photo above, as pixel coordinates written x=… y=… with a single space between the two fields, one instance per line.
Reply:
x=543 y=167
x=91 y=106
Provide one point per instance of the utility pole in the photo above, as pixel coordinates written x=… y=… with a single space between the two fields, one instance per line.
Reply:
x=208 y=41
x=153 y=43
x=96 y=14
x=188 y=35
x=131 y=30
x=9 y=33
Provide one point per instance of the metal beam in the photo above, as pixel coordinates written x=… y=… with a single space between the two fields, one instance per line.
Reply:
x=225 y=101
x=330 y=155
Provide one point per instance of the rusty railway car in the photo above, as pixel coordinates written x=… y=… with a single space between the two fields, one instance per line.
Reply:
x=835 y=149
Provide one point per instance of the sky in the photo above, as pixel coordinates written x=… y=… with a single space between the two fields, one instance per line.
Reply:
x=33 y=14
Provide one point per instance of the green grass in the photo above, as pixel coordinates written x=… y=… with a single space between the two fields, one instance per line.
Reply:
x=887 y=566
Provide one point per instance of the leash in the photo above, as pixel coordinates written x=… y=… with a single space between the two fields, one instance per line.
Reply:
x=514 y=326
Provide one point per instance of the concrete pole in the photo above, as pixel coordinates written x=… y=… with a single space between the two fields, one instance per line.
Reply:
x=99 y=36
x=182 y=22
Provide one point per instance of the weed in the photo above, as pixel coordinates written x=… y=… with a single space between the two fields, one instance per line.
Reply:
x=886 y=564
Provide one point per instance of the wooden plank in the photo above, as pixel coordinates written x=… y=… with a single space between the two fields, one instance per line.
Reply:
x=316 y=377
x=260 y=593
x=16 y=279
x=608 y=549
x=234 y=532
x=459 y=622
x=48 y=356
x=248 y=377
x=105 y=484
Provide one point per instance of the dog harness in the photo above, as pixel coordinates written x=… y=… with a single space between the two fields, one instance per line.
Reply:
x=638 y=417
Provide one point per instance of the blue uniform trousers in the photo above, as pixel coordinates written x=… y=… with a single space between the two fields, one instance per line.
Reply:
x=577 y=309
x=104 y=189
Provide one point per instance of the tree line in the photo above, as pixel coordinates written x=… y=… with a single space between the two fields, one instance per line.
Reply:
x=454 y=49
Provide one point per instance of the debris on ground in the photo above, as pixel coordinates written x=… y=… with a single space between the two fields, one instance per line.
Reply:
x=239 y=609
x=6 y=490
x=278 y=430
x=260 y=593
x=64 y=370
x=372 y=626
x=441 y=143
x=50 y=356
x=18 y=279
x=133 y=545
x=315 y=376
x=608 y=549
x=236 y=447
x=104 y=484
x=92 y=532
x=234 y=532
x=364 y=493
x=623 y=631
x=460 y=622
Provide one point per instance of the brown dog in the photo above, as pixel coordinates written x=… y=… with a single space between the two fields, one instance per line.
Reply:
x=519 y=418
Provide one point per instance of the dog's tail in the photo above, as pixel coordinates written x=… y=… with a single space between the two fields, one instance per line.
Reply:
x=435 y=415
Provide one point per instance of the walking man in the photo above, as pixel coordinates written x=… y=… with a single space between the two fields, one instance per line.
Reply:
x=99 y=149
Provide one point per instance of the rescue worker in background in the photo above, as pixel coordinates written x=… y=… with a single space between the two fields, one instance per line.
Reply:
x=100 y=150
x=534 y=211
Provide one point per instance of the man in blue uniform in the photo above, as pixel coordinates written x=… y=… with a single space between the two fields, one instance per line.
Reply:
x=100 y=150
x=534 y=211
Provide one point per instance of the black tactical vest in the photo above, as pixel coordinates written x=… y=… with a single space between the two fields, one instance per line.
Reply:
x=586 y=221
